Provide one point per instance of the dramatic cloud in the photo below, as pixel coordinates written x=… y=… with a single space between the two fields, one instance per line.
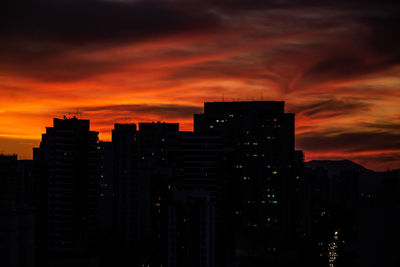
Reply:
x=167 y=111
x=353 y=142
x=329 y=108
x=335 y=63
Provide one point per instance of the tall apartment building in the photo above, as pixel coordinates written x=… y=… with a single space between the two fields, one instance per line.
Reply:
x=204 y=161
x=191 y=229
x=68 y=155
x=156 y=176
x=124 y=183
x=261 y=174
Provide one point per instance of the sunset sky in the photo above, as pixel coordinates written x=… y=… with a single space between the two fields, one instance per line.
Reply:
x=336 y=64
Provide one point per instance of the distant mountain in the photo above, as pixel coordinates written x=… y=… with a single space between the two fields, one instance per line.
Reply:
x=337 y=166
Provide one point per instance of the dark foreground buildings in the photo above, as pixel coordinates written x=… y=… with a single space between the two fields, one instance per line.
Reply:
x=17 y=217
x=261 y=174
x=232 y=193
x=69 y=173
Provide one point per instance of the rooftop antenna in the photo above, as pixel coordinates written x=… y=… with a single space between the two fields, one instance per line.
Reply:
x=223 y=97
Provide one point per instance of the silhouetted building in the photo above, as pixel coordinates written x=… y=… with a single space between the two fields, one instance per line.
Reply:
x=106 y=189
x=232 y=193
x=156 y=174
x=191 y=230
x=262 y=172
x=124 y=183
x=17 y=218
x=377 y=225
x=70 y=162
x=205 y=162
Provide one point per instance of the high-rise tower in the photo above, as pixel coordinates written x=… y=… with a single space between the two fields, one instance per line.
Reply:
x=69 y=155
x=261 y=182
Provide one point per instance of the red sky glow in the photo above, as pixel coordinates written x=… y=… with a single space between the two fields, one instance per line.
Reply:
x=336 y=64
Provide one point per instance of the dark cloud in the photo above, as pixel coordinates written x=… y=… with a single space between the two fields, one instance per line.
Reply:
x=341 y=67
x=382 y=158
x=393 y=126
x=91 y=21
x=348 y=142
x=37 y=34
x=384 y=37
x=168 y=111
x=329 y=108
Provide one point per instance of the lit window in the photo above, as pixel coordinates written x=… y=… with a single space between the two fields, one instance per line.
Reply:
x=274 y=172
x=211 y=126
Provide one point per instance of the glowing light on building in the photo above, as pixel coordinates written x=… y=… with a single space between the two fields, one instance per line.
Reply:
x=332 y=250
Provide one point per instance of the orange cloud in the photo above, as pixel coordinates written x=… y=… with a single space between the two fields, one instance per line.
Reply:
x=336 y=65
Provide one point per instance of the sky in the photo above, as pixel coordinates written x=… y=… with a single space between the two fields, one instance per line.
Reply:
x=336 y=64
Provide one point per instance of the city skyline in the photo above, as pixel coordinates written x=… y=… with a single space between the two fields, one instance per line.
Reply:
x=334 y=63
x=31 y=145
x=234 y=192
